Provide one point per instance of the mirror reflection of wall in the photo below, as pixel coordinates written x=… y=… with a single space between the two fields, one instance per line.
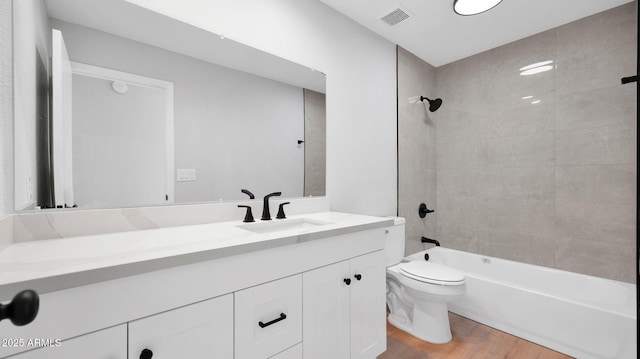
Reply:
x=315 y=145
x=236 y=130
x=232 y=129
x=43 y=188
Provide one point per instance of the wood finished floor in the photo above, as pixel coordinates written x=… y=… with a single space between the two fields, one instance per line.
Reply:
x=470 y=340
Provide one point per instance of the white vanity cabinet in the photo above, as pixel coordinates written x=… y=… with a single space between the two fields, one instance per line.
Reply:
x=342 y=305
x=310 y=295
x=110 y=343
x=200 y=330
x=294 y=352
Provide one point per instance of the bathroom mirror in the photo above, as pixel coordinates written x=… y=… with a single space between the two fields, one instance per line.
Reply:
x=161 y=112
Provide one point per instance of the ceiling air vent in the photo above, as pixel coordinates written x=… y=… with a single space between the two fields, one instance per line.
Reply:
x=395 y=17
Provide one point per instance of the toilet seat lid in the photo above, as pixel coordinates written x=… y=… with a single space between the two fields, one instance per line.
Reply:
x=431 y=273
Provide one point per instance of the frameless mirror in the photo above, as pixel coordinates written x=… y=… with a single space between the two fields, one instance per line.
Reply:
x=119 y=106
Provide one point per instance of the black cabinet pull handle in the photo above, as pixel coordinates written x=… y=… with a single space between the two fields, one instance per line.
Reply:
x=264 y=325
x=22 y=309
x=146 y=354
x=347 y=281
x=358 y=276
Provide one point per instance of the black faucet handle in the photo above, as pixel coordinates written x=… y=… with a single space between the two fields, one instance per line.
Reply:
x=281 y=214
x=248 y=217
x=423 y=210
x=247 y=192
x=273 y=194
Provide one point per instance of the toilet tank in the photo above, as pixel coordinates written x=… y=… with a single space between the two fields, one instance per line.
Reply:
x=394 y=242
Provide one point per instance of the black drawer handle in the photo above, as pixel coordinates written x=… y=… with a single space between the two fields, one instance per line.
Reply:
x=264 y=325
x=358 y=276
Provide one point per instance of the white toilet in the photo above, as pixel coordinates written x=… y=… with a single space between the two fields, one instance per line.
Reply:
x=418 y=291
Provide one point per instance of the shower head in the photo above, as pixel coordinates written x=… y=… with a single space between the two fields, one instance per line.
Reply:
x=434 y=105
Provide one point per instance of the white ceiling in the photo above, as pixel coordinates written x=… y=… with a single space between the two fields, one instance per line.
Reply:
x=437 y=35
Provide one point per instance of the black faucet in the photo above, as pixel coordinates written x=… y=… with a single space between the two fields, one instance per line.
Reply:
x=266 y=215
x=429 y=240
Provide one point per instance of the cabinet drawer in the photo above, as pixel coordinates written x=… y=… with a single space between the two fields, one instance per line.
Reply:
x=268 y=318
x=200 y=330
x=108 y=343
x=291 y=353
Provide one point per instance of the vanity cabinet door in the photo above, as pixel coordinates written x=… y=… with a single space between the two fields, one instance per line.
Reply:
x=200 y=330
x=368 y=306
x=344 y=309
x=326 y=312
x=108 y=343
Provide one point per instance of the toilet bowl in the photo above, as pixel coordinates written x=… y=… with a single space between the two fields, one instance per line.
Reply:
x=418 y=291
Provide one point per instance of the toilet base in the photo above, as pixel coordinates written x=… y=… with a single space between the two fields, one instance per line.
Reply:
x=420 y=308
x=430 y=323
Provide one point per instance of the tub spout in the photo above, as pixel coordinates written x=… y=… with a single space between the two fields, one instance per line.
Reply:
x=429 y=240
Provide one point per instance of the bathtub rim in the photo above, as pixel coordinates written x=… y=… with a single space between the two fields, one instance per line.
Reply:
x=627 y=309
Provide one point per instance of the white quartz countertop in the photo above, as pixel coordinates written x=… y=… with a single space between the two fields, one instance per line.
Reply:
x=55 y=264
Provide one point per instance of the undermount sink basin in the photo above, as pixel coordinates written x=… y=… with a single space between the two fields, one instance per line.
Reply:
x=278 y=225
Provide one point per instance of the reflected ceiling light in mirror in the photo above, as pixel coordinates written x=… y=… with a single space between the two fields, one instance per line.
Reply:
x=473 y=7
x=536 y=68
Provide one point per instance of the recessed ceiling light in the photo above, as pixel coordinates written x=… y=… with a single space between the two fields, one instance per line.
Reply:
x=473 y=7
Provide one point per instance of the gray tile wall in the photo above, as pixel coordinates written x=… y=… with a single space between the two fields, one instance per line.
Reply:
x=315 y=145
x=416 y=148
x=550 y=183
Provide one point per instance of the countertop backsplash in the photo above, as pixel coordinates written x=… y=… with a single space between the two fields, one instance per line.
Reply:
x=52 y=224
x=6 y=231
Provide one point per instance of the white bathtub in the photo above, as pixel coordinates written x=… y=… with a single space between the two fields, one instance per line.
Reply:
x=579 y=315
